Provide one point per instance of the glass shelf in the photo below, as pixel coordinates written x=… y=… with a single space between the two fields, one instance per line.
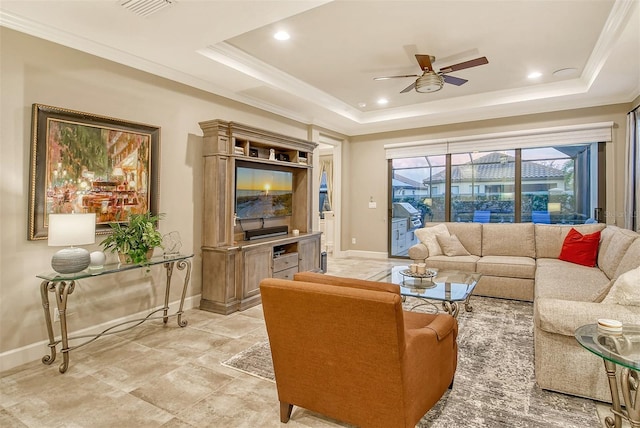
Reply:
x=110 y=268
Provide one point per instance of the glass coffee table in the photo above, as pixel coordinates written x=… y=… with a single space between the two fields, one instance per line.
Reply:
x=449 y=287
x=617 y=349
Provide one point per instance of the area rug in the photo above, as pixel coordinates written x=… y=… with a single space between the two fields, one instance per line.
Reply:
x=494 y=384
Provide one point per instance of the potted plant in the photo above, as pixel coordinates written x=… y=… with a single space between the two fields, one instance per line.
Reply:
x=134 y=241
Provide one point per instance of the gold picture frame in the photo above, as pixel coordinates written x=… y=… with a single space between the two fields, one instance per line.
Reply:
x=82 y=162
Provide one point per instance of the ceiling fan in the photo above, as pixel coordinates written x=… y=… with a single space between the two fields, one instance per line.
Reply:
x=432 y=81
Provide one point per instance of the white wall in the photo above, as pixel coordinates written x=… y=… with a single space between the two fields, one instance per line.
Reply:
x=36 y=71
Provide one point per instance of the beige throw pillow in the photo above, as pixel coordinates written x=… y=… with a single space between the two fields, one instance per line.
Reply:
x=451 y=246
x=428 y=235
x=626 y=289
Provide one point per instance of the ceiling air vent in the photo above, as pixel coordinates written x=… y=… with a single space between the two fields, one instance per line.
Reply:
x=145 y=7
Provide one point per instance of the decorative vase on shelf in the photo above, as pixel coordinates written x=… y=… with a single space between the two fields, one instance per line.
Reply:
x=97 y=260
x=171 y=243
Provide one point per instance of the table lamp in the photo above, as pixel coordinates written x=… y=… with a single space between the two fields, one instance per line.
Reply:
x=69 y=230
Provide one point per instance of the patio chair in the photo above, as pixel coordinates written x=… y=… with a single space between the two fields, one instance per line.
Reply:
x=481 y=216
x=542 y=217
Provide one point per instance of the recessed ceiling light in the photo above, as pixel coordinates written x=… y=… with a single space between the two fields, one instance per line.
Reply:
x=281 y=35
x=362 y=104
x=382 y=101
x=565 y=72
x=534 y=75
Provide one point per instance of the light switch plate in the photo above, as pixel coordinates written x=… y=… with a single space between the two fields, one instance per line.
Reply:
x=372 y=204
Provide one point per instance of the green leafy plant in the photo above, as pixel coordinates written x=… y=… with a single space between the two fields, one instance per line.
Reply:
x=135 y=239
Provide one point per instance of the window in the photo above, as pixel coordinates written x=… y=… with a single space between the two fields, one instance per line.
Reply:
x=483 y=181
x=415 y=198
x=557 y=184
x=556 y=180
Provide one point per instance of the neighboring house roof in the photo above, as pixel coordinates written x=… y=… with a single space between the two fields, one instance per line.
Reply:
x=400 y=181
x=495 y=166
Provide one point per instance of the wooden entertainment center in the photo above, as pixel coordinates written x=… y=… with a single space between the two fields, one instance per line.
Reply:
x=233 y=266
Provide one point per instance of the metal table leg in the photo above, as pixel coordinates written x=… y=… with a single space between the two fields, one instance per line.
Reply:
x=630 y=387
x=45 y=287
x=452 y=308
x=182 y=264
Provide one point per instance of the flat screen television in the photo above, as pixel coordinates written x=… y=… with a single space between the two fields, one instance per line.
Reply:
x=262 y=192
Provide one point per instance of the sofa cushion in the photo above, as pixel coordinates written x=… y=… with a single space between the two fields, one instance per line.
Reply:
x=507 y=266
x=580 y=249
x=469 y=234
x=614 y=244
x=500 y=239
x=451 y=246
x=630 y=260
x=626 y=289
x=556 y=316
x=427 y=236
x=549 y=238
x=463 y=263
x=568 y=281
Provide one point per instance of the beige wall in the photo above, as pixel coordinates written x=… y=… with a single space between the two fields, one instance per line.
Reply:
x=366 y=154
x=35 y=71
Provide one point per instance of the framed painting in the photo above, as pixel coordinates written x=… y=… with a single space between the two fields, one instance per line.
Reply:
x=84 y=163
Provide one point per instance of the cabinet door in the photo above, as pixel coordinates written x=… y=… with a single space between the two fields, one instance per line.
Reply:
x=257 y=266
x=395 y=237
x=309 y=253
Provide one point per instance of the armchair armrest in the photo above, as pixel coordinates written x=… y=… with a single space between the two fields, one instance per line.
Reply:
x=442 y=326
x=437 y=330
x=564 y=317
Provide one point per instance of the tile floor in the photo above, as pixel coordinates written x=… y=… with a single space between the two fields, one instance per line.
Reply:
x=155 y=376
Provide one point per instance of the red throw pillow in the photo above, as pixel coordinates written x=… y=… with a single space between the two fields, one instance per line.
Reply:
x=580 y=249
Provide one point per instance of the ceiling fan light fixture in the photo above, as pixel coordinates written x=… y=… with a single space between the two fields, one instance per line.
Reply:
x=429 y=82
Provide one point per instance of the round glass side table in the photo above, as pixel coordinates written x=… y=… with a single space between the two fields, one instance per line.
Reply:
x=617 y=349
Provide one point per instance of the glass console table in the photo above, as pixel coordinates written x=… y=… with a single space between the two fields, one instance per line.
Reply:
x=622 y=349
x=64 y=284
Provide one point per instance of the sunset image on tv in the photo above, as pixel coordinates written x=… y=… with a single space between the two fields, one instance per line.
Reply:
x=262 y=193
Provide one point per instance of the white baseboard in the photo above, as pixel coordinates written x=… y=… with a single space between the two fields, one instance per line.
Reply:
x=35 y=351
x=366 y=254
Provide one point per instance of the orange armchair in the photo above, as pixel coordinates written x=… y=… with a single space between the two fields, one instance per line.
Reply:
x=346 y=349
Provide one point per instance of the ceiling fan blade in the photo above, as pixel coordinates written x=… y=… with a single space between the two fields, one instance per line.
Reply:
x=395 y=77
x=408 y=88
x=467 y=64
x=454 y=80
x=424 y=61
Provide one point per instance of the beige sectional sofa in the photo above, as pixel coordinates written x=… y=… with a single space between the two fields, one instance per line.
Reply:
x=520 y=261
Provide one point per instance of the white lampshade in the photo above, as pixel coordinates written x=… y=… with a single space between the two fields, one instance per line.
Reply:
x=72 y=229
